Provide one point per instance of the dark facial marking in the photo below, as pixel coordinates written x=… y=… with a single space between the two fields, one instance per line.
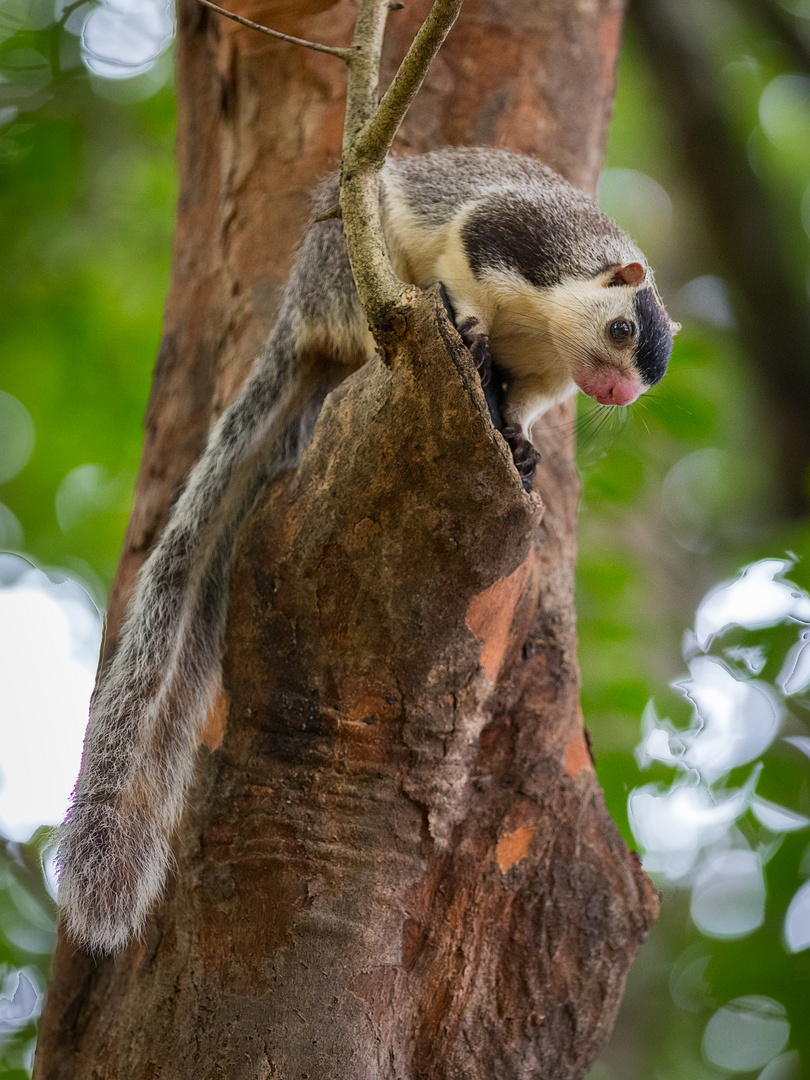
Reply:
x=654 y=337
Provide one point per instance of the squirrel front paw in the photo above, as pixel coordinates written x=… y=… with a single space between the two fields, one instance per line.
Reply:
x=524 y=455
x=478 y=344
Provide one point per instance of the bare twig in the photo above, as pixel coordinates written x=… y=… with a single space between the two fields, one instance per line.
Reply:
x=364 y=73
x=396 y=101
x=369 y=130
x=376 y=282
x=368 y=133
x=344 y=54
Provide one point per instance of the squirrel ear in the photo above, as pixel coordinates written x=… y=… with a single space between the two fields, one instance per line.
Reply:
x=675 y=327
x=631 y=274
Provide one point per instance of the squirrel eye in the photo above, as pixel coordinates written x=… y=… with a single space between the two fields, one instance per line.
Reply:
x=620 y=330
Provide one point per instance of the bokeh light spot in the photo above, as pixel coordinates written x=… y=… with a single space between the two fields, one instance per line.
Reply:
x=17 y=436
x=736 y=721
x=90 y=490
x=637 y=203
x=49 y=640
x=693 y=491
x=746 y=1034
x=728 y=896
x=707 y=298
x=673 y=825
x=785 y=1067
x=797 y=921
x=784 y=111
x=777 y=818
x=795 y=674
x=11 y=531
x=123 y=38
x=19 y=999
x=688 y=984
x=755 y=599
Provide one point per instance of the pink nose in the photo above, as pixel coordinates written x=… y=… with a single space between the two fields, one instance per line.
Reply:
x=609 y=387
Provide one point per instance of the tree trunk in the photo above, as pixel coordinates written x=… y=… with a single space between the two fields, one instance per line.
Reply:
x=397 y=862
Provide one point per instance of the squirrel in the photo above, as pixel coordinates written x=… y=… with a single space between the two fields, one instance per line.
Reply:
x=547 y=293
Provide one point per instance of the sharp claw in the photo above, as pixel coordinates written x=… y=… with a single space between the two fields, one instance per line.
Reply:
x=467 y=333
x=524 y=455
x=479 y=348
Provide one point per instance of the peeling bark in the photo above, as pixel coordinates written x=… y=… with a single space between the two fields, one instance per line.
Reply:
x=397 y=861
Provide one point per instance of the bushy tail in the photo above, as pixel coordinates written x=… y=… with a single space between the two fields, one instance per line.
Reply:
x=149 y=706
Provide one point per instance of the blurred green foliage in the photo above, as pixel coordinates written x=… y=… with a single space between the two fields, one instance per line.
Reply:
x=87 y=192
x=27 y=934
x=687 y=493
x=678 y=493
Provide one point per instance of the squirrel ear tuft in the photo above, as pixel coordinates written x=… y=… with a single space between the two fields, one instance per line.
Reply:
x=631 y=274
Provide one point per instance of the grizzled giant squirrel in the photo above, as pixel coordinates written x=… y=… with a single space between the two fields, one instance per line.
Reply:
x=540 y=284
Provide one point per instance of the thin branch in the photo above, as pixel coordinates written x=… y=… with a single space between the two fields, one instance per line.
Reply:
x=383 y=126
x=377 y=284
x=342 y=54
x=368 y=133
x=364 y=70
x=369 y=130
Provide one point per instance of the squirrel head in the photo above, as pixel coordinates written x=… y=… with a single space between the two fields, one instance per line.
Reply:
x=613 y=332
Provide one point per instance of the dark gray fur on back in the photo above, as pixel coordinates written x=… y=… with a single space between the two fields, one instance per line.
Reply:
x=507 y=232
x=437 y=184
x=526 y=217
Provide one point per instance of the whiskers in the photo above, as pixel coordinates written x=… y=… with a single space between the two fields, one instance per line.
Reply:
x=602 y=427
x=596 y=429
x=662 y=401
x=644 y=406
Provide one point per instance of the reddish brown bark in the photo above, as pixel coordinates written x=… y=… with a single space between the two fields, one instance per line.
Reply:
x=397 y=863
